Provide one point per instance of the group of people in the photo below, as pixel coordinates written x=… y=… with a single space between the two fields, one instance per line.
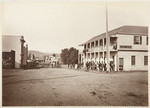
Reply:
x=100 y=66
x=75 y=66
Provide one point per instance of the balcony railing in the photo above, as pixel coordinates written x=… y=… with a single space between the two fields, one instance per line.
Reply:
x=112 y=47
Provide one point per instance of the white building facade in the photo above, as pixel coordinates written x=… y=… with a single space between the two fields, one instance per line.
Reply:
x=128 y=46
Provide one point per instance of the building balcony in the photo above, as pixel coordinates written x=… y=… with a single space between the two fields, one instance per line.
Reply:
x=112 y=47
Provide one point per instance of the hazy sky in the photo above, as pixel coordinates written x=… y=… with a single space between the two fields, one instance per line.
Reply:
x=52 y=26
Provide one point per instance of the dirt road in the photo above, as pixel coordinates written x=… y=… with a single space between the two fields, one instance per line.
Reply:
x=66 y=87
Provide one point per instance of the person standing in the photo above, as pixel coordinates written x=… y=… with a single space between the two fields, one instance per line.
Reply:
x=102 y=66
x=110 y=64
x=89 y=65
x=98 y=66
x=86 y=65
x=105 y=68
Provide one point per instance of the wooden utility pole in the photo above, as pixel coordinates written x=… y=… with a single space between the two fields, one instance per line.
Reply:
x=107 y=42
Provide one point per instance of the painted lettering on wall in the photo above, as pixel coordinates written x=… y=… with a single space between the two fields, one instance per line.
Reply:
x=125 y=46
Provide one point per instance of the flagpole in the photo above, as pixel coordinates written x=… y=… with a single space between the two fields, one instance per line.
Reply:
x=107 y=41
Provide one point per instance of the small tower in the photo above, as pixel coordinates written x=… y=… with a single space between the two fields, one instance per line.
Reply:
x=22 y=45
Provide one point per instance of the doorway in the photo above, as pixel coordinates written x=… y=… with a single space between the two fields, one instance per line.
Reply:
x=121 y=64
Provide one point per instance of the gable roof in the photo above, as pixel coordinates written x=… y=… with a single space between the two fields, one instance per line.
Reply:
x=127 y=30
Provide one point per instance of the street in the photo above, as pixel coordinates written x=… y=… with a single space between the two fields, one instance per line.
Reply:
x=69 y=87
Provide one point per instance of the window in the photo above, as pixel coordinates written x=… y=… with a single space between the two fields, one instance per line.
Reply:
x=145 y=60
x=85 y=46
x=120 y=63
x=137 y=39
x=92 y=44
x=88 y=45
x=101 y=42
x=96 y=43
x=104 y=41
x=147 y=41
x=132 y=60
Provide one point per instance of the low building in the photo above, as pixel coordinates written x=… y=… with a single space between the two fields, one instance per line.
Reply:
x=31 y=61
x=40 y=61
x=47 y=59
x=14 y=51
x=52 y=61
x=8 y=60
x=128 y=46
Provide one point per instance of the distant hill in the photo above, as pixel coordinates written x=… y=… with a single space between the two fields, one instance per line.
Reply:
x=41 y=54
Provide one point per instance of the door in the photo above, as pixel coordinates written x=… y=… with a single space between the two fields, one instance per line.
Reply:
x=113 y=59
x=121 y=64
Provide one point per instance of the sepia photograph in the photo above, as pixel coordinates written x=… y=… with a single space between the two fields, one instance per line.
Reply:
x=75 y=53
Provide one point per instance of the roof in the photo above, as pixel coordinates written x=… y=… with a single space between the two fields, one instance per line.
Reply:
x=40 y=58
x=7 y=50
x=10 y=36
x=127 y=30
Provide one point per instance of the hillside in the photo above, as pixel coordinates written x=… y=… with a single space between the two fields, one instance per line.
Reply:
x=41 y=54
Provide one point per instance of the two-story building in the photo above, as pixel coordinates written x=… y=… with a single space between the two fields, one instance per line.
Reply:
x=128 y=46
x=14 y=51
x=51 y=60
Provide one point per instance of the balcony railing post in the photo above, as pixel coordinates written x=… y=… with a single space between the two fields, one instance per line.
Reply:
x=103 y=51
x=98 y=50
x=90 y=49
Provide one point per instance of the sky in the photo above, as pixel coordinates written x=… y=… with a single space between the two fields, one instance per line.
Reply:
x=54 y=25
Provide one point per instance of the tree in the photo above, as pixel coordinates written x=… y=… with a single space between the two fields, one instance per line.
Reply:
x=54 y=55
x=69 y=56
x=73 y=55
x=64 y=56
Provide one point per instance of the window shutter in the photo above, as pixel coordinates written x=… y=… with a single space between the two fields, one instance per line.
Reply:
x=140 y=39
x=134 y=40
x=145 y=60
x=132 y=60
